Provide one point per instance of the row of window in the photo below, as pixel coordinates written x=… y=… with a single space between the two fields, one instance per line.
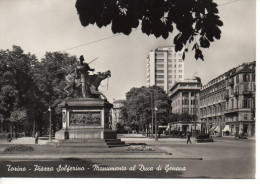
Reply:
x=185 y=102
x=169 y=71
x=189 y=85
x=213 y=98
x=246 y=78
x=169 y=66
x=245 y=117
x=160 y=60
x=186 y=95
x=214 y=88
x=221 y=96
x=246 y=103
x=162 y=76
x=212 y=110
x=217 y=120
x=230 y=105
x=241 y=88
x=192 y=111
x=192 y=102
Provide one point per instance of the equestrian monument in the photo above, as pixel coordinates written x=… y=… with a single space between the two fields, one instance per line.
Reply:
x=85 y=112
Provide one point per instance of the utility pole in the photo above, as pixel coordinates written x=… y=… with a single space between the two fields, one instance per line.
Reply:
x=156 y=131
x=151 y=94
x=50 y=124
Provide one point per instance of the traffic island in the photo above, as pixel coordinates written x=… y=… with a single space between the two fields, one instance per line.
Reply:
x=203 y=138
x=45 y=151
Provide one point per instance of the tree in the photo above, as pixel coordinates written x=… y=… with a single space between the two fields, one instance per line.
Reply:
x=140 y=102
x=50 y=77
x=28 y=87
x=16 y=85
x=196 y=20
x=173 y=117
x=185 y=117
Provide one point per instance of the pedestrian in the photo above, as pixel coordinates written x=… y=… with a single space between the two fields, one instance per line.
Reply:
x=188 y=139
x=36 y=138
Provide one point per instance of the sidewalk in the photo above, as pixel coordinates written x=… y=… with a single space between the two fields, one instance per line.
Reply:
x=139 y=138
x=23 y=140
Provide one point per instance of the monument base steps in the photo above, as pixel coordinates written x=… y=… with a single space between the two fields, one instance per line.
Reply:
x=89 y=143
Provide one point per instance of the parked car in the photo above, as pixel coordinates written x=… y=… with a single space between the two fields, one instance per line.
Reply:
x=241 y=135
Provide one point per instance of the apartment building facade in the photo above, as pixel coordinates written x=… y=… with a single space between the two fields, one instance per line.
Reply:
x=213 y=105
x=164 y=67
x=227 y=103
x=240 y=99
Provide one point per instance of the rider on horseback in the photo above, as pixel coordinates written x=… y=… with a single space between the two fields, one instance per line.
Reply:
x=79 y=77
x=81 y=72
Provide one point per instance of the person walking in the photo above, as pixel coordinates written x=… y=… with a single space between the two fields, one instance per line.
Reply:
x=188 y=139
x=36 y=138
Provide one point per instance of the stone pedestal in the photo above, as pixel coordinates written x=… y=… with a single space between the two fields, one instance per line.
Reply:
x=85 y=118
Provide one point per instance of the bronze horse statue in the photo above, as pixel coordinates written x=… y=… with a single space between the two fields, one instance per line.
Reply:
x=93 y=82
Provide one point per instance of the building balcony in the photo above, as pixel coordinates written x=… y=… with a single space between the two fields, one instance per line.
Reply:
x=236 y=93
x=231 y=111
x=247 y=93
x=231 y=121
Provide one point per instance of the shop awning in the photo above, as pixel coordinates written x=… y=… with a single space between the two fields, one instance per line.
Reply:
x=217 y=129
x=212 y=128
x=174 y=127
x=226 y=129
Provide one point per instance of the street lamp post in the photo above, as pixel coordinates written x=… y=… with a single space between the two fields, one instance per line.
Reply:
x=50 y=123
x=155 y=119
x=152 y=111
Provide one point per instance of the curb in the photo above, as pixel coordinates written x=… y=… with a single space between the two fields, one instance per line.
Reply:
x=94 y=156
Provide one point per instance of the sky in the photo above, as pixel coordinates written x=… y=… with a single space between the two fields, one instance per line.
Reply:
x=47 y=25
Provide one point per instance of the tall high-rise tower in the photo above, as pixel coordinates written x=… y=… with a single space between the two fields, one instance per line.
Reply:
x=164 y=67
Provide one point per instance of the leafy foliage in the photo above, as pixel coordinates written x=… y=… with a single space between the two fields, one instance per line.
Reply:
x=50 y=76
x=194 y=19
x=139 y=103
x=19 y=148
x=28 y=87
x=16 y=85
x=16 y=80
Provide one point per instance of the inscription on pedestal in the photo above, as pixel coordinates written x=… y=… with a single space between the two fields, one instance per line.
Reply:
x=85 y=119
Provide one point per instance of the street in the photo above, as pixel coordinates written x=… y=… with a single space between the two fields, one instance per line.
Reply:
x=224 y=158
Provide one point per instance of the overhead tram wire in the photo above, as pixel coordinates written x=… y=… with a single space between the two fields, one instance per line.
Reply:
x=229 y=2
x=133 y=31
x=96 y=41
